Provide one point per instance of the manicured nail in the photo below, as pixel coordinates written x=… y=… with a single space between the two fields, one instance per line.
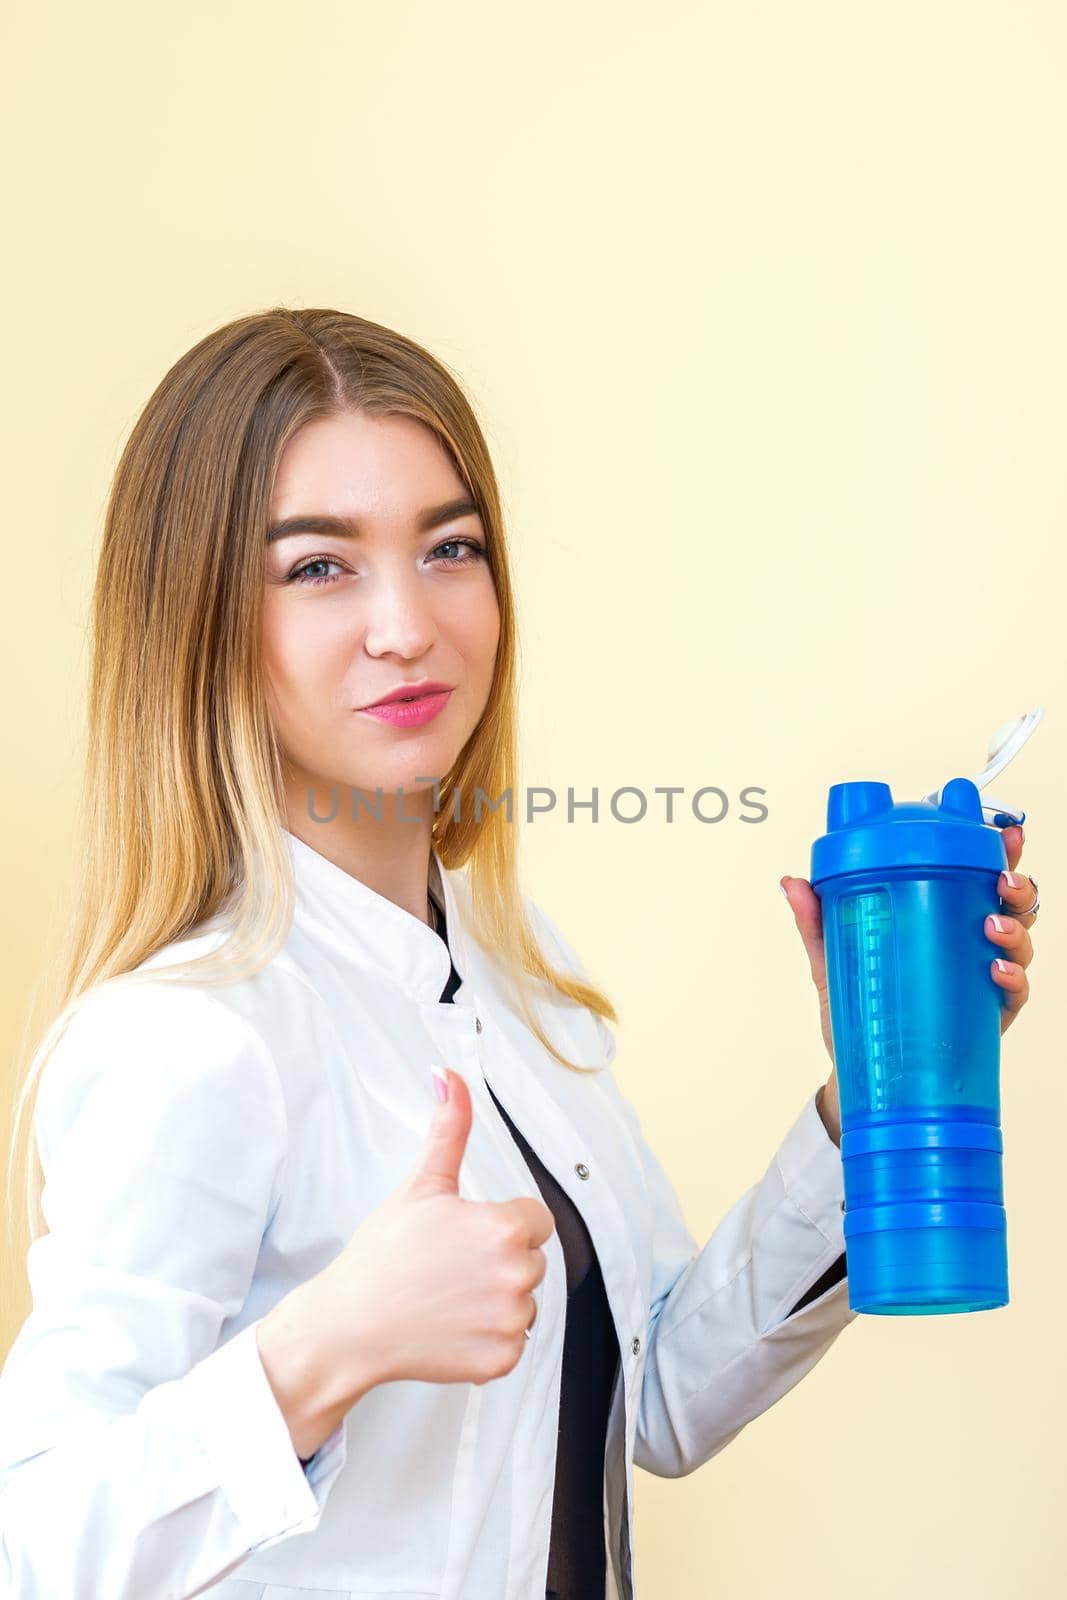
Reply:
x=782 y=886
x=1012 y=879
x=997 y=923
x=440 y=1082
x=1005 y=966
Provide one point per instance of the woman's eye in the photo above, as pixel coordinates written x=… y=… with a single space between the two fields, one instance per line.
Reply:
x=476 y=551
x=302 y=574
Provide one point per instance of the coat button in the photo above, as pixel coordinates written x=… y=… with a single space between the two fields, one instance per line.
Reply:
x=635 y=1344
x=478 y=1024
x=581 y=1169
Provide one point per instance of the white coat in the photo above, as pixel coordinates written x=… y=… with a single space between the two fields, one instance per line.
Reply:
x=206 y=1149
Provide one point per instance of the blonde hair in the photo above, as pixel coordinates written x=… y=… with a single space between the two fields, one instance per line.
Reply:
x=183 y=792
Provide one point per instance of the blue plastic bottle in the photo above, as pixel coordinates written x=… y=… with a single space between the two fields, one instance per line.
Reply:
x=905 y=889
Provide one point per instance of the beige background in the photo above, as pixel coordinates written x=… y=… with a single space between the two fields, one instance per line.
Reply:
x=763 y=310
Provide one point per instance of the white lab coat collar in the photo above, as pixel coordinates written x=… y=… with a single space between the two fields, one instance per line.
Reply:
x=373 y=931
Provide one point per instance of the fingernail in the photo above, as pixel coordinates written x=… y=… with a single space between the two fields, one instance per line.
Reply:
x=997 y=923
x=1011 y=879
x=1004 y=966
x=440 y=1082
x=782 y=885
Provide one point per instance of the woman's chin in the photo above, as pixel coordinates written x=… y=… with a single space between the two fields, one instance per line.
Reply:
x=412 y=774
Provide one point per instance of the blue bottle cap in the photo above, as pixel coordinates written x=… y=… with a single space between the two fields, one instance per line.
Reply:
x=867 y=832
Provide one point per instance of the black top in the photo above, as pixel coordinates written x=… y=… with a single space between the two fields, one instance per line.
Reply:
x=577 y=1559
x=833 y=1274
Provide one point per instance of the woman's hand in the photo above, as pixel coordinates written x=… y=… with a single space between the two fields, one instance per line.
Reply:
x=1012 y=938
x=431 y=1286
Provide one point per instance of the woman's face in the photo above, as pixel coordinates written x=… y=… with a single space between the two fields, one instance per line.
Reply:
x=349 y=616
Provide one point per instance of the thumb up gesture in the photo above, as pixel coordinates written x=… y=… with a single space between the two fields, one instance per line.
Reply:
x=433 y=1286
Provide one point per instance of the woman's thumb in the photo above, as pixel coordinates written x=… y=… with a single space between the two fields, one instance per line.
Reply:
x=446 y=1139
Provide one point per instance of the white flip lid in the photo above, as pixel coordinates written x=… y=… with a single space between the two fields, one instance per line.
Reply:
x=1003 y=747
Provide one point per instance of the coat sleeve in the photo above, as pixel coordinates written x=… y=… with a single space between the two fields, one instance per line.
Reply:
x=725 y=1338
x=722 y=1344
x=142 y=1450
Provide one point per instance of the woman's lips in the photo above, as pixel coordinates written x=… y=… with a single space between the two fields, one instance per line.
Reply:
x=410 y=713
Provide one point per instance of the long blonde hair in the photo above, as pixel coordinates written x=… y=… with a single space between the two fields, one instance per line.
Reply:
x=183 y=791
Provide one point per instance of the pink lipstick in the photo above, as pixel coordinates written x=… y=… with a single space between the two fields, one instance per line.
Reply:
x=409 y=713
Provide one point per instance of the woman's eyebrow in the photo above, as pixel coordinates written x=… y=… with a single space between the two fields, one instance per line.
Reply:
x=351 y=527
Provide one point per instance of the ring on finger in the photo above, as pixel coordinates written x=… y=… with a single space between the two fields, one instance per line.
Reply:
x=1029 y=911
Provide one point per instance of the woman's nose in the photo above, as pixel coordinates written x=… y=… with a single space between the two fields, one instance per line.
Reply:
x=400 y=617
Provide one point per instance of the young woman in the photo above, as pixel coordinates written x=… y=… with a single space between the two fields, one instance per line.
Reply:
x=299 y=1328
